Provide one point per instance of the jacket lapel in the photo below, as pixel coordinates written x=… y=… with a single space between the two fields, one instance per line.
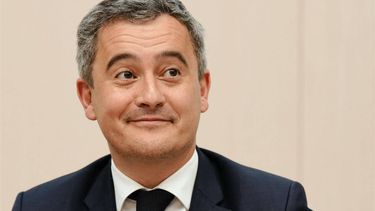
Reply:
x=101 y=196
x=207 y=192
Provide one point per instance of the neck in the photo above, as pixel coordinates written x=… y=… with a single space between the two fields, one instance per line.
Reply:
x=150 y=172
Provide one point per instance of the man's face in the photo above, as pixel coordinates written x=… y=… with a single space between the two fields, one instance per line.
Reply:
x=146 y=97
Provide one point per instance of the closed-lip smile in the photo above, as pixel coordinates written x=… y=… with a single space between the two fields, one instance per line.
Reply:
x=149 y=120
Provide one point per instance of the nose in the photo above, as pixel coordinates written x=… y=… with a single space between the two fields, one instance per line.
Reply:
x=150 y=95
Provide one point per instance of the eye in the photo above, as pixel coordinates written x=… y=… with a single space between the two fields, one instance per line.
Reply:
x=125 y=75
x=171 y=73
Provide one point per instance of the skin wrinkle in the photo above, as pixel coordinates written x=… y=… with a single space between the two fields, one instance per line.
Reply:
x=128 y=34
x=143 y=44
x=112 y=42
x=142 y=39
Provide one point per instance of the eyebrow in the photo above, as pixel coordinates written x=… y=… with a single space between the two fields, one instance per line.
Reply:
x=174 y=54
x=119 y=57
x=124 y=56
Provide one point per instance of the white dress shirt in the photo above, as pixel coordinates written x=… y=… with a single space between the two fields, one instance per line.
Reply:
x=180 y=184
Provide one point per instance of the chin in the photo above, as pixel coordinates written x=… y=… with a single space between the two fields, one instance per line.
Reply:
x=154 y=149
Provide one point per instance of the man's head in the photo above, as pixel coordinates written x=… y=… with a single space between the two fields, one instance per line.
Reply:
x=139 y=11
x=145 y=80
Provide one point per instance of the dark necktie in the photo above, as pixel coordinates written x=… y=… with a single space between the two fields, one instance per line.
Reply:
x=154 y=200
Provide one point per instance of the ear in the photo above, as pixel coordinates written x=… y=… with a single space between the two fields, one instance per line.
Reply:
x=84 y=92
x=205 y=83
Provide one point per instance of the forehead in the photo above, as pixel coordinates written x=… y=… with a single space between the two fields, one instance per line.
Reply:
x=163 y=29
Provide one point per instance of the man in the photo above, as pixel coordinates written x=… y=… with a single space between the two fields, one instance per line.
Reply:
x=143 y=77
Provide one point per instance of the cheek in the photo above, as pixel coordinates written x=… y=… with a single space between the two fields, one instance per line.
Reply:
x=186 y=102
x=111 y=103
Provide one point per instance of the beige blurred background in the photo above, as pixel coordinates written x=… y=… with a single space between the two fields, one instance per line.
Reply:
x=293 y=93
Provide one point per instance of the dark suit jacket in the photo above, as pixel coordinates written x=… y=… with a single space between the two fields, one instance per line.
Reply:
x=220 y=185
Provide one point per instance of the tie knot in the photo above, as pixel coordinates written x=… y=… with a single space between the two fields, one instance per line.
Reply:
x=154 y=200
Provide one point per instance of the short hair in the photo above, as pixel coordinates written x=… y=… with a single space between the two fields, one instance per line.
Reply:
x=109 y=11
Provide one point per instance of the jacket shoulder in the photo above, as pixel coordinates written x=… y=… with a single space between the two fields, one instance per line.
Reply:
x=248 y=188
x=63 y=190
x=242 y=173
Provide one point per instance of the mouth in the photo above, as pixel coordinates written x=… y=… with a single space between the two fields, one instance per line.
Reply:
x=150 y=121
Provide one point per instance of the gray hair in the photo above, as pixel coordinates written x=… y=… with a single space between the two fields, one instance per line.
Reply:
x=134 y=11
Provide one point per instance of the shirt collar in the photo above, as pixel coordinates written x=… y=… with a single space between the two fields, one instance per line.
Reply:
x=180 y=184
